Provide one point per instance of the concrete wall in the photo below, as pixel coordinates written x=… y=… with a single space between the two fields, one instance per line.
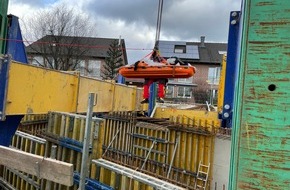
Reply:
x=221 y=164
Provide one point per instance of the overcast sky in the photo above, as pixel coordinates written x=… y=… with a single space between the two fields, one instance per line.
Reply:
x=135 y=20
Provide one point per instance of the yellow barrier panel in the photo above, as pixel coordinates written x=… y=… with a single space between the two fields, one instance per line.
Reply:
x=36 y=90
x=194 y=117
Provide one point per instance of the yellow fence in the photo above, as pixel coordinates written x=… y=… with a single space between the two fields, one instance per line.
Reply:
x=168 y=149
x=208 y=119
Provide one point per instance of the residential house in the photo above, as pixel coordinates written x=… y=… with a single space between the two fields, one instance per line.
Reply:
x=88 y=52
x=206 y=58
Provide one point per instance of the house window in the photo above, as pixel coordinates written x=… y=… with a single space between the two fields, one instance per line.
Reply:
x=213 y=96
x=214 y=75
x=187 y=92
x=81 y=67
x=184 y=92
x=94 y=68
x=37 y=60
x=179 y=49
x=169 y=92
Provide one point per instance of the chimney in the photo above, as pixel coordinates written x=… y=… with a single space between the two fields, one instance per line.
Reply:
x=202 y=39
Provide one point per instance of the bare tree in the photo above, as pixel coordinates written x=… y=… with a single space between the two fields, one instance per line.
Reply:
x=60 y=33
x=113 y=62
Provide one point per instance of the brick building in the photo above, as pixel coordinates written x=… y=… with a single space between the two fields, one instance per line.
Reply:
x=89 y=52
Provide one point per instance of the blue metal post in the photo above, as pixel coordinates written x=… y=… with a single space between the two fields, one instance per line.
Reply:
x=231 y=69
x=152 y=98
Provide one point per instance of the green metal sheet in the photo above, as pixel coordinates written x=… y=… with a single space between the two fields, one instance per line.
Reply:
x=261 y=133
x=3 y=24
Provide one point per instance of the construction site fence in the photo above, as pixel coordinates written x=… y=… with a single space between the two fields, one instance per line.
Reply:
x=170 y=150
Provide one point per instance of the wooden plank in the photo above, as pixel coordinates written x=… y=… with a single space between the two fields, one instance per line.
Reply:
x=50 y=169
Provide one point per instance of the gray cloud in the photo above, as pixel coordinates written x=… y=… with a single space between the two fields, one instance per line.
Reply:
x=181 y=19
x=135 y=20
x=130 y=11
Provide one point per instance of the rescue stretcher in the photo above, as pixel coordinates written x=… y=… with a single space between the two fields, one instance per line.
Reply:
x=153 y=70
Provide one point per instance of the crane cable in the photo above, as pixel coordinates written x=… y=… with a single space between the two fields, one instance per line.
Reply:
x=159 y=17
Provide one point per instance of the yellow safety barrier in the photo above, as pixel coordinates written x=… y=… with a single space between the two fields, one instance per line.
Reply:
x=36 y=90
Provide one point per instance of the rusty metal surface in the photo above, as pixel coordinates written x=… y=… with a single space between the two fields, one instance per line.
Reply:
x=261 y=139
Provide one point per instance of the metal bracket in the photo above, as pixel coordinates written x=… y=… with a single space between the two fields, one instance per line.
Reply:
x=4 y=68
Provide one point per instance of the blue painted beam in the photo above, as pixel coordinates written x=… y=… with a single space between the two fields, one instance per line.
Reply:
x=15 y=46
x=231 y=69
x=72 y=144
x=152 y=93
x=91 y=184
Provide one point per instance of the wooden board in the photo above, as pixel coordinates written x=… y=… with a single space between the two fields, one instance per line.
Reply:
x=50 y=169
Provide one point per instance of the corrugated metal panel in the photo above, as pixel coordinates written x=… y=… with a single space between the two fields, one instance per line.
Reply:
x=261 y=143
